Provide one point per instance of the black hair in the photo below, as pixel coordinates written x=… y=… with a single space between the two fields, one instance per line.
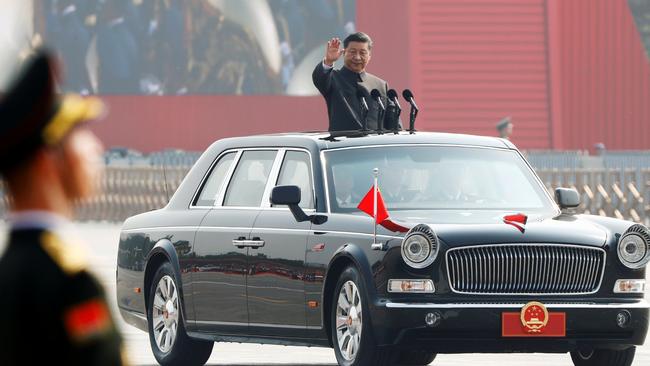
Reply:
x=358 y=37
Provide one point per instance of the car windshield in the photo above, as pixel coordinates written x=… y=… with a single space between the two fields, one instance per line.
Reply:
x=435 y=178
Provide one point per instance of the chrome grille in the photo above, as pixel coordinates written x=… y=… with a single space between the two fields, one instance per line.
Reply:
x=525 y=269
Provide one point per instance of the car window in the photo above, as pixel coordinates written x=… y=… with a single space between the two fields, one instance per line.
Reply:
x=247 y=185
x=213 y=184
x=435 y=178
x=296 y=171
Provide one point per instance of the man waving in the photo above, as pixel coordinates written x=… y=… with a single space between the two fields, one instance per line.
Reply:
x=341 y=87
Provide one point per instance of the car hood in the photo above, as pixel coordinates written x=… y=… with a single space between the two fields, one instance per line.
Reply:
x=488 y=227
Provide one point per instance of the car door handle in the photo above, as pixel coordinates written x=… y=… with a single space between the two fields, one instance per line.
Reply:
x=248 y=243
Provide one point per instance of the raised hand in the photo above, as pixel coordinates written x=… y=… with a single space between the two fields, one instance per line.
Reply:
x=333 y=51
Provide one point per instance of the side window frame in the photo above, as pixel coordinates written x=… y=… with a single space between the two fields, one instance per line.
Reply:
x=311 y=176
x=222 y=189
x=267 y=188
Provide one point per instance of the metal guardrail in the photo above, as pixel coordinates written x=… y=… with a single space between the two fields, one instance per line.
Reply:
x=607 y=187
x=623 y=194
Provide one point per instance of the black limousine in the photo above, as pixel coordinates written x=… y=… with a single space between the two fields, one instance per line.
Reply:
x=264 y=241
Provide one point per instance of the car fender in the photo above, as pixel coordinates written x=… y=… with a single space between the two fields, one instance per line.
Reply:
x=354 y=253
x=165 y=248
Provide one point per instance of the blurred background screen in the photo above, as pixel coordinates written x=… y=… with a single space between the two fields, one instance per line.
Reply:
x=176 y=47
x=641 y=12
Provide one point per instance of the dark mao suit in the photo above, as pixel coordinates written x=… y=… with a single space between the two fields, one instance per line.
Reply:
x=339 y=88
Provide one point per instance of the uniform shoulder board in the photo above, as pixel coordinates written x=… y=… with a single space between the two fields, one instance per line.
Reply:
x=70 y=257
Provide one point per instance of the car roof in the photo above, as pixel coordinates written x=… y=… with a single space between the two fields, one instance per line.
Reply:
x=323 y=140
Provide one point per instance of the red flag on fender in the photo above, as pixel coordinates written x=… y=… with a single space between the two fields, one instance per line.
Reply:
x=393 y=226
x=367 y=205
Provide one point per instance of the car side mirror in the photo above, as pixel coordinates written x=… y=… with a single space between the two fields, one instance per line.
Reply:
x=290 y=196
x=567 y=198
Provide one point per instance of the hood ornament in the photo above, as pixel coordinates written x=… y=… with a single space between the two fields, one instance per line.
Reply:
x=517 y=220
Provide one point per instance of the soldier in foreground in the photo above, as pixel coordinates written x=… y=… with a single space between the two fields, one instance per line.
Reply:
x=53 y=310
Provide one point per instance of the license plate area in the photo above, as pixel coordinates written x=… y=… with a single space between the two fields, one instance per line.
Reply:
x=512 y=325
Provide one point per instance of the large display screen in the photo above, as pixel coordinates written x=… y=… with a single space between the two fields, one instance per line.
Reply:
x=641 y=13
x=178 y=47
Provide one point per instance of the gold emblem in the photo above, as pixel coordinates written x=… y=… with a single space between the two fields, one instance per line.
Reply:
x=534 y=317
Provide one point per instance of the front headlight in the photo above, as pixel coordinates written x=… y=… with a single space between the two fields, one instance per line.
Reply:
x=420 y=247
x=634 y=247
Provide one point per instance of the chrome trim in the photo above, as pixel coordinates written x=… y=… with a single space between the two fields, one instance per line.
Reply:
x=505 y=148
x=430 y=236
x=326 y=181
x=224 y=185
x=207 y=174
x=313 y=181
x=526 y=278
x=226 y=181
x=161 y=228
x=633 y=305
x=210 y=322
x=248 y=243
x=215 y=228
x=273 y=177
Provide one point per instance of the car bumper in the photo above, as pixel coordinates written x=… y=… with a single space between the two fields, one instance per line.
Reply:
x=473 y=327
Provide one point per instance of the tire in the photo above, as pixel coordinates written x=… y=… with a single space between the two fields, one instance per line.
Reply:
x=603 y=357
x=415 y=358
x=175 y=346
x=354 y=324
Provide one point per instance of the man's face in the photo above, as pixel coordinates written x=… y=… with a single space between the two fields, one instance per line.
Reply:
x=81 y=165
x=357 y=56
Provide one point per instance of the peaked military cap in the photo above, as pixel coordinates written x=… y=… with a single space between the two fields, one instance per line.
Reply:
x=503 y=123
x=33 y=114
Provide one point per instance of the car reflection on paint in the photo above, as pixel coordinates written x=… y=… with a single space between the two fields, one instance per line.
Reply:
x=264 y=242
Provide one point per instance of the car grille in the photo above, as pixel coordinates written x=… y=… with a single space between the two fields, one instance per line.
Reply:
x=525 y=269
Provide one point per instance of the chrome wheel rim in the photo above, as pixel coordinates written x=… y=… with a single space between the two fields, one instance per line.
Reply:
x=165 y=314
x=349 y=321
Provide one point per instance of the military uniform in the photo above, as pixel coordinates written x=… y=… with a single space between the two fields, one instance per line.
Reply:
x=53 y=310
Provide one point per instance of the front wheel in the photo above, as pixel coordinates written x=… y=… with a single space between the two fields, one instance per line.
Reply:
x=354 y=344
x=603 y=357
x=170 y=344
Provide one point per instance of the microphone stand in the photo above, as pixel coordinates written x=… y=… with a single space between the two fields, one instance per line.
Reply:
x=412 y=116
x=364 y=111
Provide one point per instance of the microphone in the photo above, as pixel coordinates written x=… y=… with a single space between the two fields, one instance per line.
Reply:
x=376 y=95
x=364 y=109
x=408 y=96
x=395 y=111
x=392 y=96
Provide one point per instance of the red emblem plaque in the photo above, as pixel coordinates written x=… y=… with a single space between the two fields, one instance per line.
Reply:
x=533 y=320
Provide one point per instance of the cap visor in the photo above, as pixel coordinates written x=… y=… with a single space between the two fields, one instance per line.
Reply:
x=73 y=110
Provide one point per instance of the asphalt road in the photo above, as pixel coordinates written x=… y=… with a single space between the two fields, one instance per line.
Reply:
x=101 y=241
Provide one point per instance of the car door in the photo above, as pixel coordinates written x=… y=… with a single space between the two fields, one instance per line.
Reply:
x=276 y=292
x=223 y=241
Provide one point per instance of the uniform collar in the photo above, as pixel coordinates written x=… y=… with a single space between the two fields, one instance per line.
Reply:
x=37 y=219
x=355 y=76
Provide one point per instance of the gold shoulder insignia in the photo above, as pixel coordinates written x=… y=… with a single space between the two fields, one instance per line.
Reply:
x=70 y=257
